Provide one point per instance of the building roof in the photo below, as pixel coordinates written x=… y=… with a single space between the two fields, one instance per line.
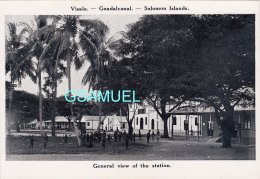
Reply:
x=88 y=118
x=199 y=110
x=91 y=118
x=59 y=119
x=119 y=118
x=33 y=122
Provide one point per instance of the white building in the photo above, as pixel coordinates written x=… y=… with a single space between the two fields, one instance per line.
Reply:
x=146 y=118
x=91 y=122
x=114 y=122
x=35 y=124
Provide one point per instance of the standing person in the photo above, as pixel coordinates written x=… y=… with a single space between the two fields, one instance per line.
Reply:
x=115 y=136
x=148 y=136
x=126 y=137
x=66 y=138
x=99 y=136
x=104 y=140
x=87 y=137
x=134 y=136
x=153 y=135
x=83 y=138
x=91 y=138
x=124 y=133
x=140 y=134
x=120 y=136
x=45 y=140
x=31 y=142
x=158 y=135
x=108 y=137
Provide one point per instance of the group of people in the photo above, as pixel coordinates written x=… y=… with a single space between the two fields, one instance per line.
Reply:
x=149 y=135
x=45 y=141
x=88 y=139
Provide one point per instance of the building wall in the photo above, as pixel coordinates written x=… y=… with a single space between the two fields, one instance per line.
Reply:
x=91 y=125
x=240 y=117
x=151 y=115
x=204 y=120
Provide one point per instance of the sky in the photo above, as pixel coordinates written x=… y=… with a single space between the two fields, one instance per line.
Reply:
x=114 y=22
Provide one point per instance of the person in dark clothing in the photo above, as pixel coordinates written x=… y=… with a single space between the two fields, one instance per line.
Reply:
x=31 y=142
x=124 y=133
x=99 y=136
x=126 y=137
x=83 y=139
x=115 y=136
x=140 y=134
x=104 y=140
x=134 y=136
x=158 y=135
x=120 y=136
x=66 y=138
x=153 y=135
x=87 y=137
x=45 y=140
x=148 y=136
x=108 y=137
x=91 y=138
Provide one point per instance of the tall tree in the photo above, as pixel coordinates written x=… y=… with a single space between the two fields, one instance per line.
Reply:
x=157 y=45
x=38 y=38
x=16 y=50
x=92 y=40
x=225 y=75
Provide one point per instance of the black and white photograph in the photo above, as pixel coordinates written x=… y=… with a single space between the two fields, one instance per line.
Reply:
x=130 y=87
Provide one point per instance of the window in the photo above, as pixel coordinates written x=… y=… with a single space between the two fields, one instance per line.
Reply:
x=137 y=121
x=247 y=124
x=145 y=120
x=152 y=125
x=88 y=123
x=123 y=125
x=174 y=121
x=247 y=121
x=141 y=111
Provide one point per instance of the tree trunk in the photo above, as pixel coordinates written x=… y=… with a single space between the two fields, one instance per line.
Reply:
x=53 y=106
x=77 y=132
x=40 y=101
x=130 y=128
x=226 y=136
x=10 y=94
x=165 y=127
x=227 y=128
x=99 y=115
x=76 y=129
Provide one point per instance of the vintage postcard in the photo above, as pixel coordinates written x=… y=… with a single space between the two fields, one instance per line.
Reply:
x=129 y=89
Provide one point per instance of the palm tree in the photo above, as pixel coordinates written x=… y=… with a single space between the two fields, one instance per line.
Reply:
x=48 y=46
x=38 y=38
x=54 y=59
x=70 y=29
x=16 y=50
x=102 y=58
x=91 y=35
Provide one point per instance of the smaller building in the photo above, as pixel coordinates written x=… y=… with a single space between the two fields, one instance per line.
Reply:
x=91 y=123
x=111 y=123
x=61 y=122
x=34 y=124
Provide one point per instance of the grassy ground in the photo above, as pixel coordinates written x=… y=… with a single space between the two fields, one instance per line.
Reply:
x=18 y=148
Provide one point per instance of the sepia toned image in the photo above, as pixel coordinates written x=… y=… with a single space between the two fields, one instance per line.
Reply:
x=130 y=87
